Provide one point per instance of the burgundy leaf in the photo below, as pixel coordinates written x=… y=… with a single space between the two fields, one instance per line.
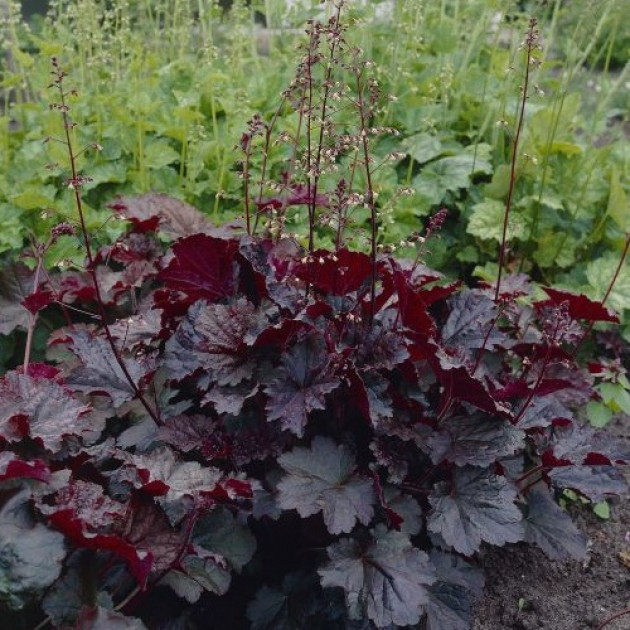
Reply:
x=203 y=267
x=92 y=520
x=336 y=274
x=580 y=306
x=458 y=384
x=152 y=535
x=38 y=301
x=12 y=467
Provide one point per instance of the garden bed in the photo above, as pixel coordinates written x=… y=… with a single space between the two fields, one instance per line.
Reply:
x=525 y=590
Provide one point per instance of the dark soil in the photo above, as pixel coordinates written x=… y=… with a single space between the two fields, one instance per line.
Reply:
x=562 y=595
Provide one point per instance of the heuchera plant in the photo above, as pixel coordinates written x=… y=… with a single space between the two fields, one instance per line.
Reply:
x=255 y=432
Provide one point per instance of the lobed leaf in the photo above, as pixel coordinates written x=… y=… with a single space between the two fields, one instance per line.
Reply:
x=321 y=479
x=40 y=408
x=475 y=506
x=300 y=385
x=551 y=528
x=203 y=267
x=387 y=582
x=30 y=554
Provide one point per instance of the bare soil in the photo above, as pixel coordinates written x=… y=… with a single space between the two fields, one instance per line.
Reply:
x=527 y=591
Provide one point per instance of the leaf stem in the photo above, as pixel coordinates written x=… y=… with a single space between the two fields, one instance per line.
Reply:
x=75 y=184
x=530 y=43
x=617 y=615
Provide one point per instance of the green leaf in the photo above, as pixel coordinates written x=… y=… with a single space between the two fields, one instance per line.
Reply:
x=30 y=554
x=600 y=273
x=486 y=222
x=616 y=396
x=602 y=509
x=450 y=174
x=159 y=154
x=321 y=479
x=553 y=252
x=618 y=202
x=598 y=414
x=423 y=147
x=387 y=582
x=35 y=199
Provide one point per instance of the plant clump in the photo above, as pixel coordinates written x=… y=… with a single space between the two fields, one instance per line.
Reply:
x=240 y=426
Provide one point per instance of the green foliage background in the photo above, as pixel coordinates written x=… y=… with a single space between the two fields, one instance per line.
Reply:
x=167 y=87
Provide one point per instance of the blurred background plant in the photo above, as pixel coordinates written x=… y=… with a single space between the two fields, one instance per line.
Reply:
x=166 y=89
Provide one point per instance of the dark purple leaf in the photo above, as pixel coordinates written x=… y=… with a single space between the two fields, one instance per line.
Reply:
x=513 y=285
x=581 y=444
x=594 y=482
x=100 y=372
x=139 y=329
x=230 y=400
x=471 y=322
x=551 y=528
x=212 y=339
x=300 y=385
x=580 y=306
x=387 y=582
x=451 y=598
x=542 y=411
x=475 y=506
x=220 y=533
x=203 y=267
x=40 y=408
x=475 y=439
x=377 y=346
x=368 y=393
x=187 y=433
x=175 y=218
x=16 y=284
x=30 y=554
x=321 y=479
